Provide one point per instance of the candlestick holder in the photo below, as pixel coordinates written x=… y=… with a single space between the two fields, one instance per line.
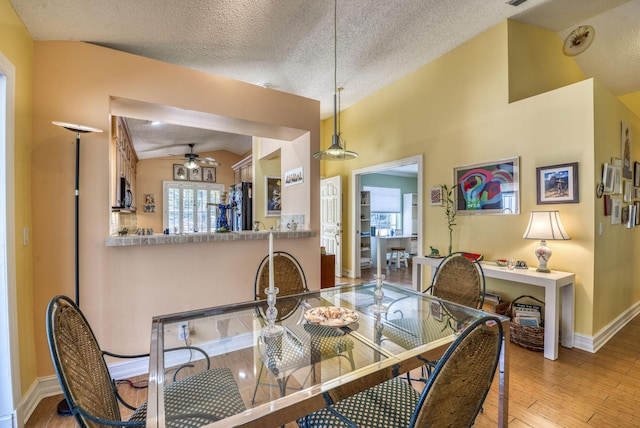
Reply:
x=378 y=307
x=271 y=329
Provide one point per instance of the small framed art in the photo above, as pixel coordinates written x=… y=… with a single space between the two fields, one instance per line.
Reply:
x=209 y=174
x=436 y=195
x=195 y=174
x=557 y=184
x=179 y=172
x=607 y=177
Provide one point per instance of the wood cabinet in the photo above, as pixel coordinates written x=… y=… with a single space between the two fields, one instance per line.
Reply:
x=327 y=270
x=242 y=171
x=124 y=170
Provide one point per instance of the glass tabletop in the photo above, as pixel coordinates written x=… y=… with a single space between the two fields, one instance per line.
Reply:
x=308 y=363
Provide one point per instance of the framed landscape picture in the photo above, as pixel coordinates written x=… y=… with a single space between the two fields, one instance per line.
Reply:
x=557 y=184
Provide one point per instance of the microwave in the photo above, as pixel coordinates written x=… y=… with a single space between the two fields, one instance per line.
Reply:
x=125 y=197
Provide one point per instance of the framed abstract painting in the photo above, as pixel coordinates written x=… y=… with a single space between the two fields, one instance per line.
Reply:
x=488 y=187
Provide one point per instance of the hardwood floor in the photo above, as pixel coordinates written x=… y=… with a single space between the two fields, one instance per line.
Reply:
x=579 y=389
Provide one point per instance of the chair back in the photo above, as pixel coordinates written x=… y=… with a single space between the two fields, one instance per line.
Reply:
x=460 y=279
x=288 y=276
x=460 y=382
x=79 y=363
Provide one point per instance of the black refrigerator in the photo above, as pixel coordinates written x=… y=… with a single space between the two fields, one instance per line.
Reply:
x=241 y=201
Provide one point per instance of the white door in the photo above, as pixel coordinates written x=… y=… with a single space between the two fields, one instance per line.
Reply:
x=331 y=218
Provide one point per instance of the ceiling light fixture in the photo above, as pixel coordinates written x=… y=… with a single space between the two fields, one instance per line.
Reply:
x=578 y=40
x=336 y=151
x=190 y=164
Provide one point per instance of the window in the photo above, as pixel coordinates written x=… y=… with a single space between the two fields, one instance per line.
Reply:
x=190 y=207
x=386 y=205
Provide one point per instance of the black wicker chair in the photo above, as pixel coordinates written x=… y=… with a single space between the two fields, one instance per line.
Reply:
x=452 y=397
x=92 y=394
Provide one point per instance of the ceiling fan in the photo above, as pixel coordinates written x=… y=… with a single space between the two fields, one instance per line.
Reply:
x=194 y=161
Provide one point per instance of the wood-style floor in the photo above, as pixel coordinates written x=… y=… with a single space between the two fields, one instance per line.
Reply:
x=579 y=389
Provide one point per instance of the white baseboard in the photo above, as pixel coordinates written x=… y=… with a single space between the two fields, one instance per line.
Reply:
x=594 y=343
x=48 y=386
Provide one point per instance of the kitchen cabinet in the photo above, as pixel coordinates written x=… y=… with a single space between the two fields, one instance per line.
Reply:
x=242 y=171
x=124 y=171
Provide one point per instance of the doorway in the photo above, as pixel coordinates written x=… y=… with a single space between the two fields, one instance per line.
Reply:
x=411 y=166
x=9 y=361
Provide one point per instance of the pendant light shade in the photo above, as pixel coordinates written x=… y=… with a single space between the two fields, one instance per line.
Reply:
x=337 y=151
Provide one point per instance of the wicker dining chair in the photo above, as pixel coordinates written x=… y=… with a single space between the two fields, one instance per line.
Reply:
x=459 y=279
x=92 y=395
x=288 y=276
x=304 y=343
x=452 y=397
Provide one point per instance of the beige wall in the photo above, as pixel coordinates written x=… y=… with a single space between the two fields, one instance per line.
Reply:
x=16 y=46
x=152 y=172
x=125 y=287
x=456 y=112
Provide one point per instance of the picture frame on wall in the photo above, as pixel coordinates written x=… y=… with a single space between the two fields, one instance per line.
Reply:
x=209 y=174
x=607 y=205
x=607 y=177
x=625 y=148
x=627 y=195
x=195 y=174
x=436 y=195
x=273 y=192
x=616 y=211
x=488 y=188
x=179 y=172
x=557 y=184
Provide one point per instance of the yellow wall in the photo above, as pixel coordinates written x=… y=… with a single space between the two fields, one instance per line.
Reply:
x=123 y=287
x=456 y=111
x=536 y=62
x=16 y=46
x=617 y=280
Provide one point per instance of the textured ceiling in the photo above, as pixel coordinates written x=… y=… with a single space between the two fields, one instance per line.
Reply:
x=290 y=44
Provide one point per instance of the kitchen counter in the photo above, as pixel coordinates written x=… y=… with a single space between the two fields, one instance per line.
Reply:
x=161 y=239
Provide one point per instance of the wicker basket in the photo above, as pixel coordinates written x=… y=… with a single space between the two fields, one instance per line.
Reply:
x=531 y=338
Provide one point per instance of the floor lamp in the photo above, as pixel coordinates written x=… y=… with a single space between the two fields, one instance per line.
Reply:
x=63 y=406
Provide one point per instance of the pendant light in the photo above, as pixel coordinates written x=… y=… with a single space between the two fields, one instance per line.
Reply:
x=336 y=151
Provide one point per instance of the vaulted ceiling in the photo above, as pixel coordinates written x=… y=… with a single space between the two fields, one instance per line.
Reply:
x=289 y=45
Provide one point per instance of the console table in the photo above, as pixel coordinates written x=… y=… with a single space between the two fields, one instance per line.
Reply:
x=558 y=287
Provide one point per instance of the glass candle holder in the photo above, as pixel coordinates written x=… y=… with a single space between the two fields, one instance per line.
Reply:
x=378 y=295
x=271 y=329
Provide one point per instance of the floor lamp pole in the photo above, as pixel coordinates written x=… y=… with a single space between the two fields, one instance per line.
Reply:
x=63 y=406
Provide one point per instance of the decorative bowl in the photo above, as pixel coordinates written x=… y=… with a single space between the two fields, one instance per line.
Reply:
x=502 y=262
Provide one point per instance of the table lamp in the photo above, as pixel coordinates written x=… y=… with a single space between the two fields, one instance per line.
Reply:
x=545 y=225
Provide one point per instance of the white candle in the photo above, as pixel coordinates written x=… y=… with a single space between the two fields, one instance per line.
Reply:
x=379 y=256
x=270 y=261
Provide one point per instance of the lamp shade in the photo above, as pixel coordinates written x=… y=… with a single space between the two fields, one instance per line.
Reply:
x=545 y=226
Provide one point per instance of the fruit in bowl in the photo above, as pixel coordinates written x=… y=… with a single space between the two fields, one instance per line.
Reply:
x=502 y=262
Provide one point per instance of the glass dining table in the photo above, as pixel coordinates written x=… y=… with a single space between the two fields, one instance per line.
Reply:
x=284 y=376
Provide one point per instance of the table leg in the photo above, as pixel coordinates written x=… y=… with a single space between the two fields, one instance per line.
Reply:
x=503 y=390
x=568 y=308
x=551 y=322
x=416 y=276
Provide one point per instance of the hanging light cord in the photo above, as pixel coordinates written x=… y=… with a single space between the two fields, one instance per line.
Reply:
x=335 y=68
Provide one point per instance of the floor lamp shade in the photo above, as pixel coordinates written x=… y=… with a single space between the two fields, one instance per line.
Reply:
x=545 y=226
